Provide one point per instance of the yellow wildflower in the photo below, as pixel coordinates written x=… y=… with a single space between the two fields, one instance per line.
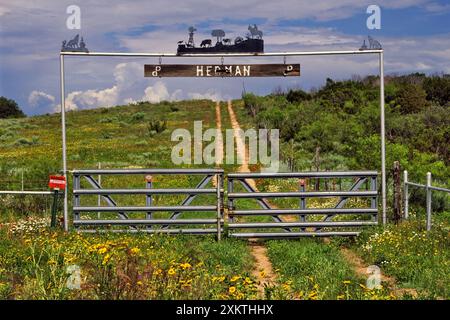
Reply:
x=171 y=271
x=232 y=290
x=106 y=259
x=235 y=278
x=135 y=250
x=185 y=265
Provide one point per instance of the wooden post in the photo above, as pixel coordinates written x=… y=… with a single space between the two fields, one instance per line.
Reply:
x=397 y=192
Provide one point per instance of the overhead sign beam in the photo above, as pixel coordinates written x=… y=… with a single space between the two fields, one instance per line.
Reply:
x=221 y=70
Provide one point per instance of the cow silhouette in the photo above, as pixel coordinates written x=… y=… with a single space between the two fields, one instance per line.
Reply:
x=206 y=42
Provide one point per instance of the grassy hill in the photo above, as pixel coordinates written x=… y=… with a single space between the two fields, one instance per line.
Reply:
x=34 y=259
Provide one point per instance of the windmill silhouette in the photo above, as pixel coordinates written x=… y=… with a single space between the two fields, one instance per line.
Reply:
x=190 y=42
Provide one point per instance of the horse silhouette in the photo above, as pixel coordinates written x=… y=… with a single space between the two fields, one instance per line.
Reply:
x=374 y=44
x=73 y=43
x=255 y=32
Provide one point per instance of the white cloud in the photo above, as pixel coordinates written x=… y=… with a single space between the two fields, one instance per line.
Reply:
x=41 y=100
x=158 y=92
x=209 y=95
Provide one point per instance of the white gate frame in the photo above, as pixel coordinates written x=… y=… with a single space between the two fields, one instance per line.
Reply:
x=231 y=55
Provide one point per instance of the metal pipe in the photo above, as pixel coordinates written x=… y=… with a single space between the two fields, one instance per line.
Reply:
x=147 y=171
x=144 y=191
x=218 y=55
x=143 y=222
x=219 y=206
x=149 y=198
x=301 y=224
x=428 y=201
x=26 y=192
x=63 y=129
x=439 y=189
x=373 y=201
x=314 y=194
x=383 y=143
x=406 y=195
x=413 y=184
x=292 y=234
x=302 y=188
x=419 y=185
x=76 y=198
x=320 y=174
x=153 y=208
x=299 y=211
x=155 y=231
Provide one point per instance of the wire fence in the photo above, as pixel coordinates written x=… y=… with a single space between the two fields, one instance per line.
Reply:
x=428 y=189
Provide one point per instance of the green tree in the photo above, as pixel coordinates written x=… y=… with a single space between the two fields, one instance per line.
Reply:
x=9 y=109
x=438 y=89
x=411 y=98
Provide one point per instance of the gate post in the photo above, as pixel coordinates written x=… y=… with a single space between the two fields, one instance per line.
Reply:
x=148 y=197
x=373 y=201
x=76 y=197
x=428 y=185
x=219 y=205
x=406 y=195
x=397 y=192
x=302 y=184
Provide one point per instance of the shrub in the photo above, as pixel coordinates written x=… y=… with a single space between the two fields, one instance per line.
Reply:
x=157 y=126
x=138 y=116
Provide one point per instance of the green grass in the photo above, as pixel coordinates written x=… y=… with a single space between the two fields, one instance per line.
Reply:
x=122 y=137
x=416 y=258
x=311 y=269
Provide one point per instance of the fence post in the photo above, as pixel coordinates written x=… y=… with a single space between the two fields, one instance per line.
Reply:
x=76 y=198
x=230 y=201
x=54 y=208
x=149 y=199
x=428 y=185
x=99 y=179
x=397 y=192
x=219 y=205
x=302 y=188
x=406 y=195
x=373 y=201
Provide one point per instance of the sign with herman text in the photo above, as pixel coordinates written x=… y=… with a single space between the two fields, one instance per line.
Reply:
x=221 y=70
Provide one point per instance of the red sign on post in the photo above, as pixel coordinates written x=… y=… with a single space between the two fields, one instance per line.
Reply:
x=57 y=182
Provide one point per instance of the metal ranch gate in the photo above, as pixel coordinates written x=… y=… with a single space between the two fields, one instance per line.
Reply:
x=339 y=220
x=114 y=217
x=303 y=221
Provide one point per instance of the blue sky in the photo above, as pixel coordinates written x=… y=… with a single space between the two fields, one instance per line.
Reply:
x=415 y=35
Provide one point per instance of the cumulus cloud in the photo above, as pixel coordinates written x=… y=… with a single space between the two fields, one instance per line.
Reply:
x=210 y=95
x=158 y=92
x=41 y=100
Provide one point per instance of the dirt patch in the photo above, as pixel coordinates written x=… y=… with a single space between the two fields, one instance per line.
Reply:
x=219 y=141
x=263 y=271
x=360 y=268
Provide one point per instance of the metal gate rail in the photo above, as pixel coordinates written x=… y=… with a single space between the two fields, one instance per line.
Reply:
x=306 y=228
x=146 y=225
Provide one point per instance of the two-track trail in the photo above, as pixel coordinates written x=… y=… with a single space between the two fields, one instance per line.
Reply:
x=263 y=270
x=219 y=142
